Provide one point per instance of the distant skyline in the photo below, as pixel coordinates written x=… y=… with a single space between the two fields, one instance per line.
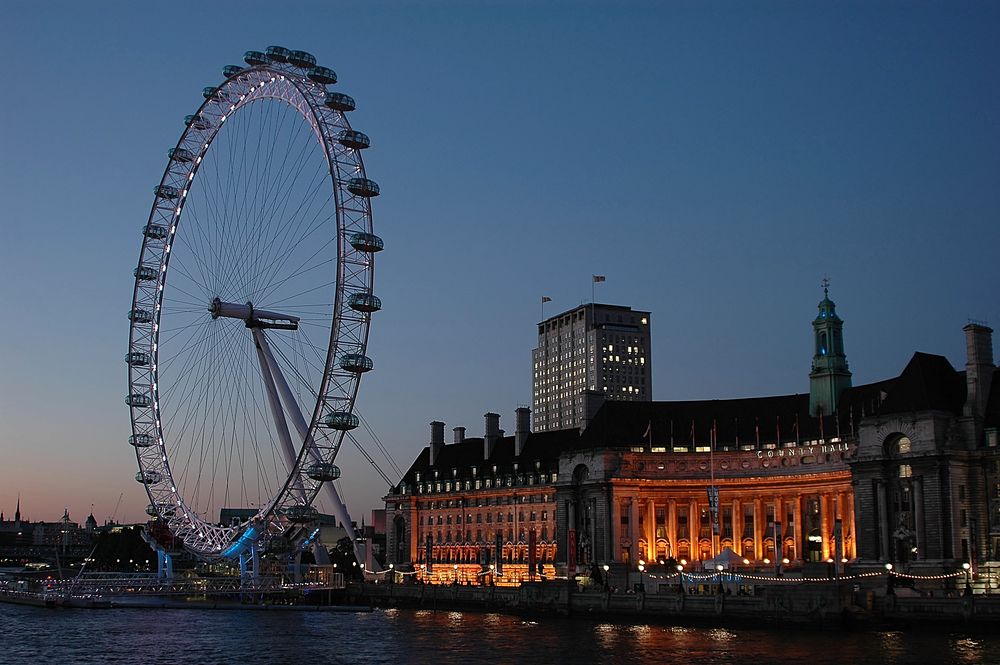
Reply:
x=714 y=160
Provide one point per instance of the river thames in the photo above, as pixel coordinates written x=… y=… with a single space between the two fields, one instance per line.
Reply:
x=32 y=635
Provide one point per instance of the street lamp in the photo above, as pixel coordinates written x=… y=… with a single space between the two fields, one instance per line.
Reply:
x=455 y=568
x=642 y=582
x=968 y=578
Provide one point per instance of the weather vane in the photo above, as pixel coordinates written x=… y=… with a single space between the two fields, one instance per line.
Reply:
x=826 y=285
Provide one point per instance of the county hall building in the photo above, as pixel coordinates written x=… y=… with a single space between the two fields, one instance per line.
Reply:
x=902 y=470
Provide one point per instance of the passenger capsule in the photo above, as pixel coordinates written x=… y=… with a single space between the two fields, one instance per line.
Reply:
x=356 y=362
x=148 y=477
x=323 y=75
x=302 y=59
x=145 y=273
x=230 y=71
x=212 y=92
x=140 y=440
x=166 y=192
x=157 y=509
x=364 y=302
x=180 y=155
x=323 y=471
x=356 y=140
x=277 y=54
x=196 y=122
x=338 y=101
x=138 y=399
x=137 y=358
x=362 y=187
x=366 y=242
x=301 y=514
x=155 y=231
x=341 y=420
x=139 y=316
x=254 y=58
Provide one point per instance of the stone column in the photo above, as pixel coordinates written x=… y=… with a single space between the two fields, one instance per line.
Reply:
x=758 y=545
x=694 y=527
x=779 y=547
x=850 y=526
x=737 y=528
x=633 y=530
x=883 y=523
x=650 y=531
x=672 y=526
x=615 y=529
x=918 y=516
x=797 y=518
x=825 y=523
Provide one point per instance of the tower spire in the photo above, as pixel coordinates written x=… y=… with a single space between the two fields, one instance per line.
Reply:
x=17 y=511
x=830 y=375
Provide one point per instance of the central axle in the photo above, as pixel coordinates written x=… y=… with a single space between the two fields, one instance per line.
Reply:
x=254 y=318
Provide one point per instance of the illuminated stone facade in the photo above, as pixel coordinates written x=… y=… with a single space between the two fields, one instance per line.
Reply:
x=905 y=470
x=630 y=506
x=459 y=501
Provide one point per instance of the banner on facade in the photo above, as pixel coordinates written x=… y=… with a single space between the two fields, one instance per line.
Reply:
x=713 y=506
x=428 y=553
x=499 y=554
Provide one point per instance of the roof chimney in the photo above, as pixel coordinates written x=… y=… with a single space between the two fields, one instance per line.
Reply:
x=978 y=368
x=437 y=440
x=459 y=434
x=522 y=416
x=492 y=434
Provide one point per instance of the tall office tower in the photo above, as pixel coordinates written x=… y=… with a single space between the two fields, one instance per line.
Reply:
x=590 y=349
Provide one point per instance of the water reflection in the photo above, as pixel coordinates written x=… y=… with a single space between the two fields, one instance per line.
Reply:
x=968 y=650
x=394 y=636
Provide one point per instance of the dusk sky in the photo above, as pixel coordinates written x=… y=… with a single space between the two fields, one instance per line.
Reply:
x=713 y=160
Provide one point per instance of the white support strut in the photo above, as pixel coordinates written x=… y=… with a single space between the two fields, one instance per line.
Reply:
x=280 y=424
x=300 y=424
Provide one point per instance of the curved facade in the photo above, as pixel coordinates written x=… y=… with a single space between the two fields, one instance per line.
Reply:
x=903 y=471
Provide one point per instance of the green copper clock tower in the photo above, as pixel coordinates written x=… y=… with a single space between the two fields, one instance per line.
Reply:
x=829 y=375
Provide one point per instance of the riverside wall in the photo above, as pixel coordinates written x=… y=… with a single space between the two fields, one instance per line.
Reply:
x=820 y=606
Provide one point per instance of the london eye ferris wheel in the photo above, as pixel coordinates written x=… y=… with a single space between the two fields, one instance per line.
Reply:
x=251 y=308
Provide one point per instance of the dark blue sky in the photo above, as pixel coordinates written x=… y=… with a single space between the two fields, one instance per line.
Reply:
x=713 y=160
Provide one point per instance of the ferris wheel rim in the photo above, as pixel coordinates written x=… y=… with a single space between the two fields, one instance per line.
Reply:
x=294 y=88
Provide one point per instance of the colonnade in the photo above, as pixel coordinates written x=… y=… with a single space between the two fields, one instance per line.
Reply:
x=746 y=524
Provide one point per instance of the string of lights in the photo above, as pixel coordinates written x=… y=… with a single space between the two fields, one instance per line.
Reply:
x=701 y=577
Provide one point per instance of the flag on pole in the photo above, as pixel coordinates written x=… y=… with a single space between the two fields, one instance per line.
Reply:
x=598 y=278
x=649 y=431
x=756 y=429
x=692 y=431
x=546 y=299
